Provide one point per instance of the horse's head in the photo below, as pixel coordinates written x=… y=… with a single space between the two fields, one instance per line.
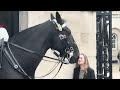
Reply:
x=63 y=40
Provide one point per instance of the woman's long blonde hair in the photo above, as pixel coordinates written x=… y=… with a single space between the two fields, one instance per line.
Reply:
x=86 y=64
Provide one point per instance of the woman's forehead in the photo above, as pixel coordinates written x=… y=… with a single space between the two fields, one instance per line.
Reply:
x=81 y=55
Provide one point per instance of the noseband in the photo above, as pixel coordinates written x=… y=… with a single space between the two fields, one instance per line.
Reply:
x=68 y=48
x=68 y=52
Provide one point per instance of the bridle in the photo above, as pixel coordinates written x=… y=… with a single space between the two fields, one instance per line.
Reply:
x=12 y=60
x=68 y=52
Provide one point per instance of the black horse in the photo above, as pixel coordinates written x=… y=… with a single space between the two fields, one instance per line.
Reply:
x=24 y=51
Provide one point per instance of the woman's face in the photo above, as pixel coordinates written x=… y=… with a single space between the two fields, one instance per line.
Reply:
x=81 y=60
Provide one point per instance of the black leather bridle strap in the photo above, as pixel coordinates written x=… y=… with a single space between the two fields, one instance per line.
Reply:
x=30 y=51
x=63 y=58
x=54 y=67
x=12 y=60
x=58 y=70
x=62 y=61
x=1 y=52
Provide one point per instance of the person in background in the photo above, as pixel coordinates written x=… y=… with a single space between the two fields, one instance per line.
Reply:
x=82 y=69
x=4 y=34
x=118 y=57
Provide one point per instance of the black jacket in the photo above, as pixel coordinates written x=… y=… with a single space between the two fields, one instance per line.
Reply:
x=88 y=75
x=118 y=56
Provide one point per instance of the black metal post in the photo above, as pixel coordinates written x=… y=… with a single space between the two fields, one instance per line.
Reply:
x=104 y=44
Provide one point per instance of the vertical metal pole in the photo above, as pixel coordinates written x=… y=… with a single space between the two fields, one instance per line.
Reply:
x=104 y=44
x=110 y=44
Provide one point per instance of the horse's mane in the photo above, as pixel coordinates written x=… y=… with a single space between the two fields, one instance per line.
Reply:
x=31 y=30
x=35 y=36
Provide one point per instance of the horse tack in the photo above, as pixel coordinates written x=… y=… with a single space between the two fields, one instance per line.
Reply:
x=12 y=60
x=10 y=57
x=16 y=65
x=23 y=72
x=1 y=51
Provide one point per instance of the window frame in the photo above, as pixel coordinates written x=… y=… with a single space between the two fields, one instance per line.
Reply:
x=116 y=41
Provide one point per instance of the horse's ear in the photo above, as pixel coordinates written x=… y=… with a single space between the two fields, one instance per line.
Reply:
x=59 y=19
x=52 y=17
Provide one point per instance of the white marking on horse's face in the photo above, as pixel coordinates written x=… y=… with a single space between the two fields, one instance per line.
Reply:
x=71 y=54
x=64 y=25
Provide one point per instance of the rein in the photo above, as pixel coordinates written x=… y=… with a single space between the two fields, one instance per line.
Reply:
x=30 y=51
x=12 y=60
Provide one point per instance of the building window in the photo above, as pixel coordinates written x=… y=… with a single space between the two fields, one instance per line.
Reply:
x=114 y=41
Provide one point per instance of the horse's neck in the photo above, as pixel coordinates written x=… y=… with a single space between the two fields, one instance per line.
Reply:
x=37 y=41
x=34 y=38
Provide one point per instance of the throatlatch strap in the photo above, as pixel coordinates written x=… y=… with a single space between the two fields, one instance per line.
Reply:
x=12 y=60
x=1 y=51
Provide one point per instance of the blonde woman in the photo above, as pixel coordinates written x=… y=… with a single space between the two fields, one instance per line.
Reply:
x=82 y=69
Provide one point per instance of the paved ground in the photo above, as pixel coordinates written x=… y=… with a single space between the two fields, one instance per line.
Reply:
x=115 y=68
x=116 y=72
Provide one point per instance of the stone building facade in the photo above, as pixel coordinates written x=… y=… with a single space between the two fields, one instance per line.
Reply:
x=116 y=33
